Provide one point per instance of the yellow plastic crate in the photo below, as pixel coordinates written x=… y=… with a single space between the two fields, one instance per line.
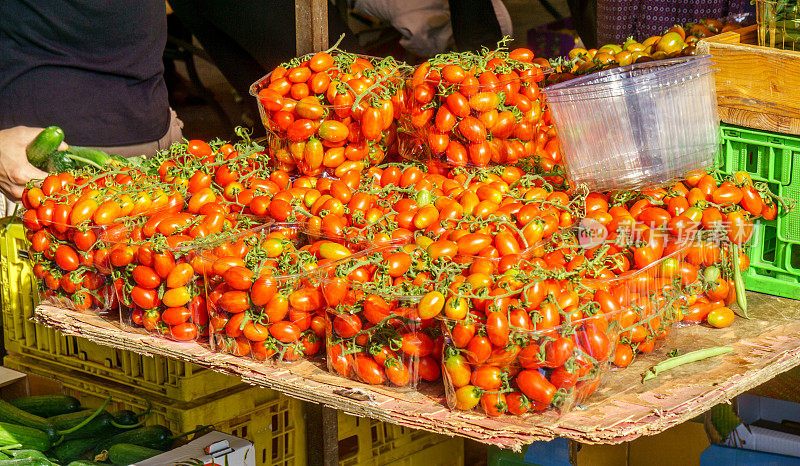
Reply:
x=449 y=451
x=367 y=442
x=19 y=296
x=273 y=422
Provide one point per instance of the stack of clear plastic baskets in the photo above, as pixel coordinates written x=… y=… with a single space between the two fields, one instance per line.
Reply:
x=637 y=126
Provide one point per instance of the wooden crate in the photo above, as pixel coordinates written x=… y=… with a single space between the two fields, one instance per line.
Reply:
x=757 y=87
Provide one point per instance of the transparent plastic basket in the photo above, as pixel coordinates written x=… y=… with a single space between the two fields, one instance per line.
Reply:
x=313 y=135
x=557 y=367
x=637 y=126
x=564 y=349
x=88 y=288
x=169 y=276
x=259 y=305
x=376 y=333
x=432 y=132
x=649 y=300
x=397 y=351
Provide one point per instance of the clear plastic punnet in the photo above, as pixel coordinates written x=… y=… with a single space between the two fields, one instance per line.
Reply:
x=380 y=331
x=650 y=299
x=159 y=281
x=398 y=350
x=73 y=264
x=331 y=117
x=637 y=126
x=263 y=299
x=541 y=343
x=505 y=369
x=474 y=123
x=72 y=246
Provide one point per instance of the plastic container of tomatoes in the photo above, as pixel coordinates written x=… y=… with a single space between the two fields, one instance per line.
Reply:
x=461 y=117
x=637 y=126
x=159 y=282
x=505 y=364
x=381 y=331
x=649 y=300
x=331 y=112
x=263 y=324
x=264 y=301
x=397 y=351
x=160 y=292
x=83 y=290
x=88 y=236
x=74 y=264
x=590 y=323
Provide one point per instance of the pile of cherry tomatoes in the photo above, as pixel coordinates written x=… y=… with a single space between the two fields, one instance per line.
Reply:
x=332 y=112
x=476 y=110
x=487 y=275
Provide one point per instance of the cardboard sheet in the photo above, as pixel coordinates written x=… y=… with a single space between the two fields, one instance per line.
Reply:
x=622 y=409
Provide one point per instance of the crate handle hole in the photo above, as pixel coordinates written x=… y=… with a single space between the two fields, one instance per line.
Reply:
x=348 y=446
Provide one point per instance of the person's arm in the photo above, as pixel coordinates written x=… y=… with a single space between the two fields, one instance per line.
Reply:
x=15 y=170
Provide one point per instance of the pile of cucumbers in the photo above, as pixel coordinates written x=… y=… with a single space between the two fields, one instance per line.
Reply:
x=55 y=430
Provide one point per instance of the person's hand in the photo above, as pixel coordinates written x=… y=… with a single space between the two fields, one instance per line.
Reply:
x=15 y=170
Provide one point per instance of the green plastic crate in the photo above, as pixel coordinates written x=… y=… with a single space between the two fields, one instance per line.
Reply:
x=774 y=159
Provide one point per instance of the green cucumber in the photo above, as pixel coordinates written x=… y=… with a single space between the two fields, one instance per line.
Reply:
x=99 y=425
x=48 y=405
x=17 y=454
x=93 y=423
x=125 y=453
x=27 y=462
x=125 y=417
x=85 y=463
x=60 y=162
x=44 y=144
x=70 y=450
x=85 y=156
x=27 y=437
x=12 y=414
x=158 y=437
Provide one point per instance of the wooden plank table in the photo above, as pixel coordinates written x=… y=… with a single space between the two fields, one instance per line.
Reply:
x=623 y=408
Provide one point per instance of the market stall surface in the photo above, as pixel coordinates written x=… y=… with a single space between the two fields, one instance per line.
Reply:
x=622 y=409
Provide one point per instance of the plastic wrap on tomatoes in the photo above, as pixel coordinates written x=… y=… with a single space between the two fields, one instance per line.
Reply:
x=475 y=109
x=395 y=351
x=503 y=363
x=332 y=112
x=264 y=300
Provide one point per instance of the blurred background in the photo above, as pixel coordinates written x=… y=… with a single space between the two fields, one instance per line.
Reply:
x=214 y=51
